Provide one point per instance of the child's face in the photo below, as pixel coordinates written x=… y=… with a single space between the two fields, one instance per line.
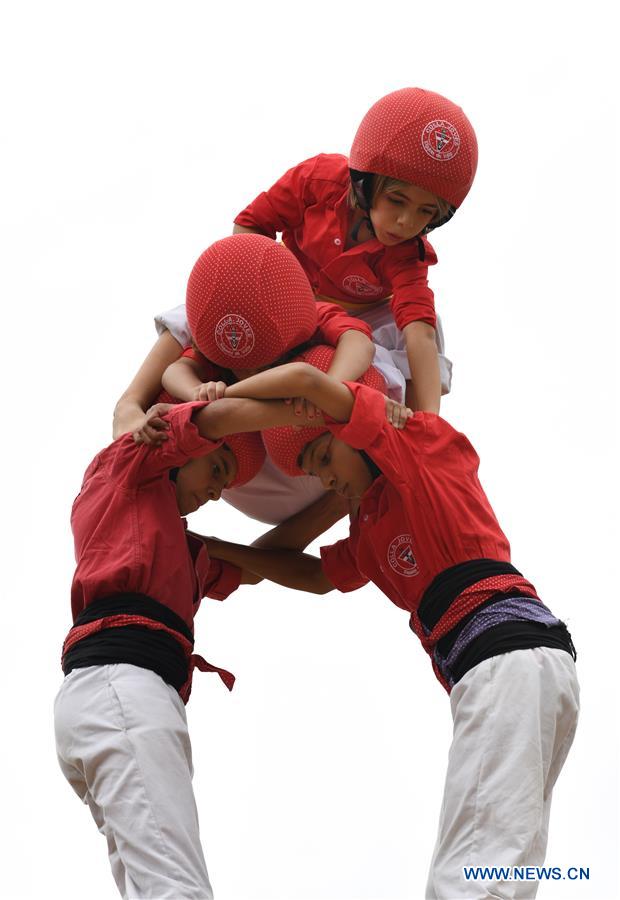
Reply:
x=400 y=214
x=204 y=478
x=340 y=467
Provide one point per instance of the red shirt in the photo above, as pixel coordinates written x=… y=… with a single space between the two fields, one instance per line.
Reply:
x=309 y=206
x=425 y=513
x=129 y=536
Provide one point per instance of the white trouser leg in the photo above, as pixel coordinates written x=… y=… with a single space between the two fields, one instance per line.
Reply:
x=123 y=745
x=386 y=334
x=514 y=721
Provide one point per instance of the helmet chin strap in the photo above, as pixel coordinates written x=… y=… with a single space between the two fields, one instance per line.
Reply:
x=442 y=221
x=362 y=186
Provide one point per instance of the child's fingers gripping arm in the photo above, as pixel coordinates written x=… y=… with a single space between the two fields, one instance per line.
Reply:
x=232 y=416
x=396 y=413
x=153 y=429
x=210 y=390
x=237 y=412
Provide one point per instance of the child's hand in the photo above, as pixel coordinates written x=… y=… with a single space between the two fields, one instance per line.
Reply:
x=210 y=390
x=303 y=407
x=153 y=429
x=396 y=413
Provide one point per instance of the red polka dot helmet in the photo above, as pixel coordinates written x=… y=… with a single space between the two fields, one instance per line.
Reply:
x=285 y=444
x=419 y=137
x=249 y=451
x=249 y=302
x=247 y=448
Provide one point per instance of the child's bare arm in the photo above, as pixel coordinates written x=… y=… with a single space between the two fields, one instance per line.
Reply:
x=293 y=379
x=291 y=568
x=354 y=354
x=145 y=386
x=231 y=416
x=238 y=411
x=298 y=380
x=296 y=532
x=183 y=378
x=424 y=393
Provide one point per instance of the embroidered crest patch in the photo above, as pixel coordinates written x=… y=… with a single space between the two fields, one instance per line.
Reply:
x=234 y=336
x=401 y=557
x=441 y=140
x=359 y=287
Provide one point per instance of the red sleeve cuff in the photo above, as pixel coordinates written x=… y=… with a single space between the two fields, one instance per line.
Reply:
x=259 y=215
x=414 y=309
x=337 y=565
x=333 y=322
x=217 y=579
x=367 y=418
x=189 y=441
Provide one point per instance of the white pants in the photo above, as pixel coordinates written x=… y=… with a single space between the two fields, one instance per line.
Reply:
x=514 y=719
x=123 y=746
x=391 y=351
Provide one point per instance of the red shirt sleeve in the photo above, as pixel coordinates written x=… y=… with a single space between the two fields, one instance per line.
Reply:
x=216 y=579
x=332 y=322
x=340 y=566
x=427 y=450
x=413 y=300
x=435 y=470
x=368 y=429
x=282 y=206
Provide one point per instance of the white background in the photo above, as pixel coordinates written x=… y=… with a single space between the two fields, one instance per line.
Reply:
x=131 y=133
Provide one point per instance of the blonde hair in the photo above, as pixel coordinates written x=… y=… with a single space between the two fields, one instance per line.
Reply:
x=383 y=184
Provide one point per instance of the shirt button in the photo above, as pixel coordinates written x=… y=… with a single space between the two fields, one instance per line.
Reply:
x=365 y=517
x=337 y=242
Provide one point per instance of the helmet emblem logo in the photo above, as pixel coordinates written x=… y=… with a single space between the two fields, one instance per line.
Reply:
x=441 y=140
x=234 y=336
x=401 y=557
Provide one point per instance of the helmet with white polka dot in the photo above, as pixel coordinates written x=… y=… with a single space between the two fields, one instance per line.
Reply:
x=419 y=137
x=249 y=452
x=249 y=302
x=285 y=444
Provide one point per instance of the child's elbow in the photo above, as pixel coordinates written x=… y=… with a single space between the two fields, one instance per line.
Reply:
x=304 y=377
x=419 y=331
x=322 y=583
